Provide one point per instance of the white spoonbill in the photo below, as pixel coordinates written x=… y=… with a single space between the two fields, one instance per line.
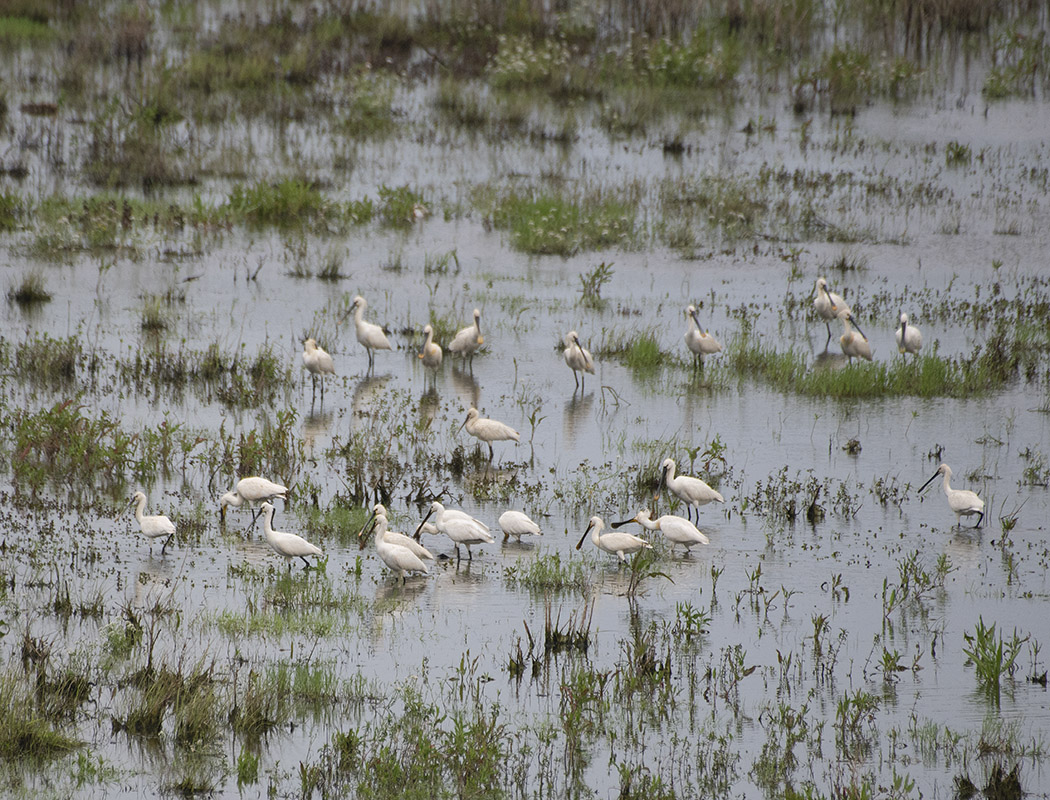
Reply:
x=288 y=545
x=467 y=340
x=691 y=491
x=253 y=491
x=517 y=524
x=431 y=352
x=460 y=528
x=393 y=537
x=962 y=501
x=369 y=334
x=397 y=556
x=318 y=363
x=909 y=338
x=853 y=345
x=153 y=526
x=488 y=430
x=616 y=542
x=675 y=529
x=699 y=341
x=829 y=305
x=578 y=359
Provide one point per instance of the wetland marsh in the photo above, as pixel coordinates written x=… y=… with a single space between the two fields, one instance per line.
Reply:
x=190 y=191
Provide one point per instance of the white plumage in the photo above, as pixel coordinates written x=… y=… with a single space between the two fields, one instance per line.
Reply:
x=394 y=537
x=395 y=553
x=253 y=491
x=962 y=502
x=153 y=526
x=431 y=352
x=459 y=527
x=467 y=340
x=675 y=529
x=909 y=338
x=369 y=334
x=517 y=524
x=287 y=545
x=317 y=362
x=828 y=304
x=691 y=491
x=578 y=358
x=699 y=342
x=488 y=430
x=622 y=544
x=853 y=344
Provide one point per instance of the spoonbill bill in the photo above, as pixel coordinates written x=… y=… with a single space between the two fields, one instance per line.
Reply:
x=699 y=341
x=853 y=345
x=829 y=305
x=961 y=501
x=517 y=524
x=288 y=545
x=675 y=529
x=467 y=340
x=318 y=363
x=460 y=528
x=369 y=334
x=253 y=491
x=488 y=430
x=578 y=358
x=691 y=491
x=909 y=338
x=153 y=526
x=616 y=542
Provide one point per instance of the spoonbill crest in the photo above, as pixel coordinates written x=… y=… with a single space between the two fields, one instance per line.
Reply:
x=675 y=529
x=318 y=363
x=288 y=545
x=616 y=542
x=460 y=528
x=153 y=526
x=691 y=491
x=852 y=344
x=488 y=430
x=578 y=359
x=517 y=524
x=962 y=501
x=369 y=334
x=253 y=491
x=699 y=342
x=829 y=305
x=909 y=338
x=467 y=340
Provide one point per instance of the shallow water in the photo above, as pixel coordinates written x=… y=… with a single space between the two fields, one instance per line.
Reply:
x=584 y=452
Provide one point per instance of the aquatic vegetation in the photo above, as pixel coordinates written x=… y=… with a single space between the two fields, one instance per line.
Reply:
x=992 y=656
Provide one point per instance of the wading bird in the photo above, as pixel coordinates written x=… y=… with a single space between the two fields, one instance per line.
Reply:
x=288 y=545
x=153 y=526
x=467 y=340
x=578 y=359
x=675 y=529
x=488 y=430
x=318 y=363
x=253 y=491
x=369 y=334
x=852 y=344
x=829 y=306
x=459 y=527
x=616 y=542
x=699 y=341
x=909 y=338
x=393 y=537
x=431 y=352
x=962 y=501
x=393 y=553
x=517 y=524
x=691 y=491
